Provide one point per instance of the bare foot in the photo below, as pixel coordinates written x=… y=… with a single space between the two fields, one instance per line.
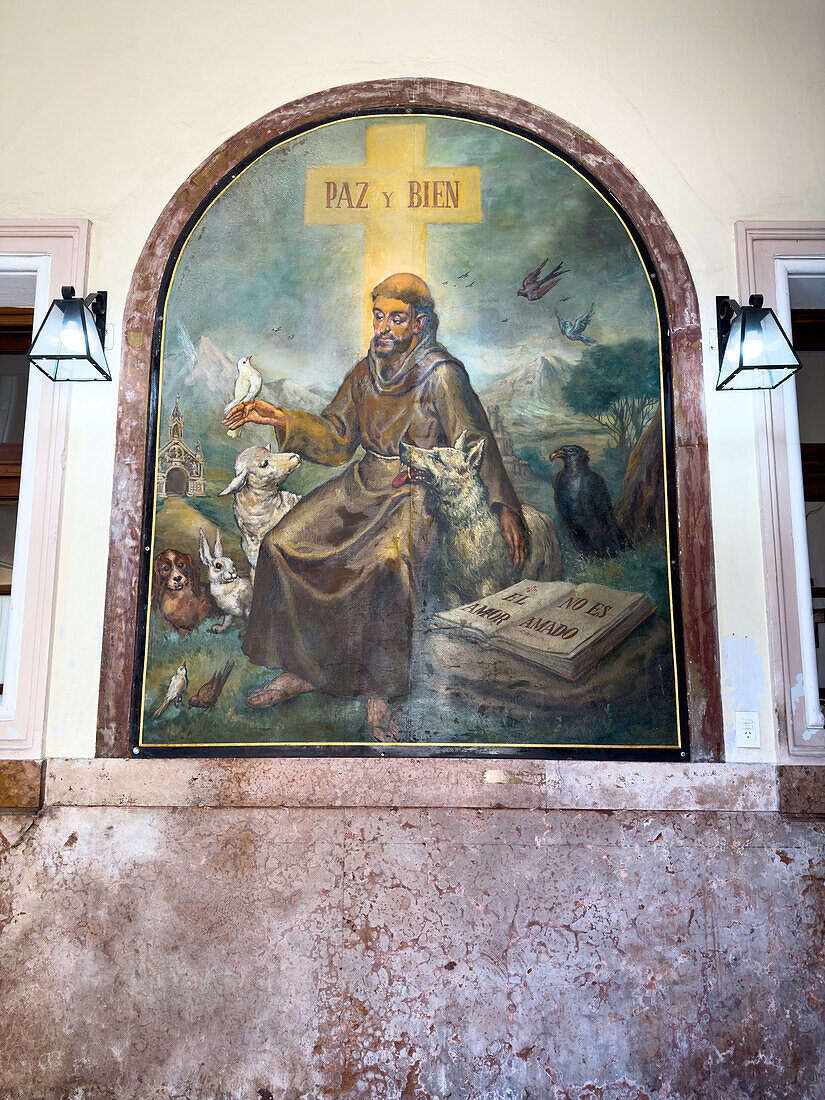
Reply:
x=282 y=687
x=382 y=724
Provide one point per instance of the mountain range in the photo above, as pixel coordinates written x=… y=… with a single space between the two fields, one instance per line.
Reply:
x=209 y=367
x=286 y=393
x=205 y=379
x=538 y=383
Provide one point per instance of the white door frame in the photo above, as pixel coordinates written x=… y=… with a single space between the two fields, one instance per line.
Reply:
x=57 y=252
x=767 y=253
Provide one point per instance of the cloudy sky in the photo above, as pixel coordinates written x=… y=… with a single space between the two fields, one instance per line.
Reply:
x=252 y=265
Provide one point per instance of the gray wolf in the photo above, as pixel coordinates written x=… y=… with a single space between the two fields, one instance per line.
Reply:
x=473 y=558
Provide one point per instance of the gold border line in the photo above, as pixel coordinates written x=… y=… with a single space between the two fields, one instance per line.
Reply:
x=434 y=744
x=404 y=745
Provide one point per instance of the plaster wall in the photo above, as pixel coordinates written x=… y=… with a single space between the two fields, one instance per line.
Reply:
x=107 y=107
x=228 y=953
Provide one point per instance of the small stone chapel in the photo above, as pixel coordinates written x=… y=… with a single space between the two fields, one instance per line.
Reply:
x=180 y=469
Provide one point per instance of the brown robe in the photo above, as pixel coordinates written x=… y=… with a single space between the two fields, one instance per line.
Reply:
x=336 y=585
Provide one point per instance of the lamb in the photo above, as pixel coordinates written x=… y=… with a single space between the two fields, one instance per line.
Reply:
x=474 y=560
x=259 y=502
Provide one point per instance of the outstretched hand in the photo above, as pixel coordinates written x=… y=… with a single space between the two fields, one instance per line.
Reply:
x=255 y=412
x=514 y=538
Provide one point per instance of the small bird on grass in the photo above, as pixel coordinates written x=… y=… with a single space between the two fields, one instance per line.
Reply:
x=535 y=286
x=584 y=506
x=247 y=387
x=174 y=694
x=208 y=694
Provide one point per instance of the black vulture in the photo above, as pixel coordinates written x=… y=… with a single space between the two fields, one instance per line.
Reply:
x=584 y=506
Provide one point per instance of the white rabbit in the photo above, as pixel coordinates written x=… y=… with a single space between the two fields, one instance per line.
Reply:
x=232 y=594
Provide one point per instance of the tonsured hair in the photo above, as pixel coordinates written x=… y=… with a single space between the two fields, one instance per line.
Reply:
x=412 y=291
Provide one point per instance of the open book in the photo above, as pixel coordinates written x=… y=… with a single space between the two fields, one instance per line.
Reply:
x=563 y=627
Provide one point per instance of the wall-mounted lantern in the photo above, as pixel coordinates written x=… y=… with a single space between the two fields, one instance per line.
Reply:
x=754 y=352
x=68 y=346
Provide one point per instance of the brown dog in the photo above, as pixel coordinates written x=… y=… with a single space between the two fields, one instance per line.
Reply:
x=177 y=592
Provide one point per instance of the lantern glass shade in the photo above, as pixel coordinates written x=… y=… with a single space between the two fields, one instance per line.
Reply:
x=757 y=355
x=67 y=346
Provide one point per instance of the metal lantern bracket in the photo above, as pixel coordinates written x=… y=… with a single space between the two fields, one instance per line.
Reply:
x=727 y=310
x=97 y=304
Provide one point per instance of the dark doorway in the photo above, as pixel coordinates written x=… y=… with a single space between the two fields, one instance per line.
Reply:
x=177 y=482
x=807 y=299
x=15 y=337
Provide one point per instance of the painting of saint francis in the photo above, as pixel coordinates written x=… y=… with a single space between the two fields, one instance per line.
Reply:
x=410 y=473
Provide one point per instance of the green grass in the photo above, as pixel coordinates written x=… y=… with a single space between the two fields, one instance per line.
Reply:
x=643 y=569
x=434 y=711
x=302 y=719
x=177 y=522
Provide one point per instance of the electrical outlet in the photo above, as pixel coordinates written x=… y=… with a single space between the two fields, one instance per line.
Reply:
x=747 y=729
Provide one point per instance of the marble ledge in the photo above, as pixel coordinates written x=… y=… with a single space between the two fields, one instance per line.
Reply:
x=471 y=784
x=802 y=789
x=21 y=784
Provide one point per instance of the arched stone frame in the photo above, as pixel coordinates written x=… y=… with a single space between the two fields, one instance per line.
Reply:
x=694 y=534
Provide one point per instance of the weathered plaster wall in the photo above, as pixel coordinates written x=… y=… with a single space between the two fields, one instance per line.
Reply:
x=234 y=954
x=716 y=109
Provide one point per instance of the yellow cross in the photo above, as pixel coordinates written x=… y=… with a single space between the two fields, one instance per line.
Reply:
x=395 y=195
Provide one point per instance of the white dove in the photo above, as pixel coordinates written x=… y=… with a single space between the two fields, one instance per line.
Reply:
x=177 y=686
x=247 y=387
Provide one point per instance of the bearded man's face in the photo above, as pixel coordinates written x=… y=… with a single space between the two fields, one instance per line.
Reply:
x=395 y=326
